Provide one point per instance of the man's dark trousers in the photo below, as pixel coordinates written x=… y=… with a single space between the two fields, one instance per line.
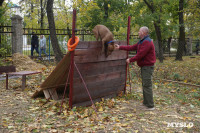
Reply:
x=147 y=74
x=32 y=49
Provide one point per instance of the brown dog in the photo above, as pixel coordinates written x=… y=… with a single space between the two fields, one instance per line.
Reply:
x=102 y=32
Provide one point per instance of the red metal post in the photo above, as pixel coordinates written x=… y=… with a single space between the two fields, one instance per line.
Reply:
x=72 y=59
x=128 y=35
x=128 y=30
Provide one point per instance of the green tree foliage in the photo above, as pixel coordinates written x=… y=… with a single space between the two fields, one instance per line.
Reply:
x=192 y=18
x=163 y=15
x=31 y=11
x=89 y=15
x=4 y=13
x=34 y=13
x=114 y=14
x=63 y=17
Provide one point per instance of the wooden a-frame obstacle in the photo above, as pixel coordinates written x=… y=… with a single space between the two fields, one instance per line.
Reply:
x=104 y=77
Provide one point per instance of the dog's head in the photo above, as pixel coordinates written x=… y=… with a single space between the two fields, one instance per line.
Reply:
x=111 y=47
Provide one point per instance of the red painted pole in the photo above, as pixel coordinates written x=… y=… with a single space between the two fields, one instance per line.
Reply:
x=72 y=59
x=128 y=30
x=128 y=35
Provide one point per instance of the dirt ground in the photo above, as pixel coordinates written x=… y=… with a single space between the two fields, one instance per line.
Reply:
x=20 y=113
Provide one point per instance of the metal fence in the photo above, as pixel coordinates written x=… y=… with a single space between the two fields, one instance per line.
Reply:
x=63 y=36
x=5 y=41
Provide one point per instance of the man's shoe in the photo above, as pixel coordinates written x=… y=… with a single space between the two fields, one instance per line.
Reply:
x=142 y=106
x=150 y=109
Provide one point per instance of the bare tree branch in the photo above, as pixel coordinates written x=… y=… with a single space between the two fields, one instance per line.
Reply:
x=150 y=6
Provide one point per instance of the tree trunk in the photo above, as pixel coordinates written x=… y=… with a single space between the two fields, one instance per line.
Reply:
x=54 y=40
x=106 y=10
x=42 y=6
x=182 y=42
x=1 y=2
x=158 y=30
x=169 y=45
x=160 y=43
x=42 y=14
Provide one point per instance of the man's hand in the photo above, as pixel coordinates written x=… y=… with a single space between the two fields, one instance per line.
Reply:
x=116 y=47
x=128 y=61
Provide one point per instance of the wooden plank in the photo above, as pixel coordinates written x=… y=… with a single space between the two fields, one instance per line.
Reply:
x=59 y=74
x=99 y=85
x=99 y=77
x=21 y=73
x=97 y=65
x=81 y=52
x=88 y=44
x=95 y=44
x=96 y=52
x=50 y=93
x=103 y=70
x=23 y=82
x=82 y=97
x=53 y=94
x=98 y=89
x=116 y=55
x=46 y=94
x=85 y=97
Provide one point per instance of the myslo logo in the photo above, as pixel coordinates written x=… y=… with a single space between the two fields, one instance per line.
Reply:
x=180 y=124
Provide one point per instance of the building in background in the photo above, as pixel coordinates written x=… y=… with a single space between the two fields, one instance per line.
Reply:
x=14 y=8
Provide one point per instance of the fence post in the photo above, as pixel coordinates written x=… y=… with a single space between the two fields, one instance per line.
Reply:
x=17 y=35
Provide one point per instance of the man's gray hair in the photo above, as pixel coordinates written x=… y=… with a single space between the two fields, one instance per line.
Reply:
x=145 y=29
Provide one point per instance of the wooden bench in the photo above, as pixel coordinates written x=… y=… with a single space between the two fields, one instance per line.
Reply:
x=23 y=74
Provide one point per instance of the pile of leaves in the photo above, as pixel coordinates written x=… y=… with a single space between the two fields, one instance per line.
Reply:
x=23 y=62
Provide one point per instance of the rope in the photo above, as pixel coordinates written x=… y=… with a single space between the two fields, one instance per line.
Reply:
x=135 y=72
x=129 y=73
x=85 y=87
x=65 y=89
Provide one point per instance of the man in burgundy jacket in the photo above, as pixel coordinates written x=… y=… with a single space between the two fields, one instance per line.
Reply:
x=145 y=58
